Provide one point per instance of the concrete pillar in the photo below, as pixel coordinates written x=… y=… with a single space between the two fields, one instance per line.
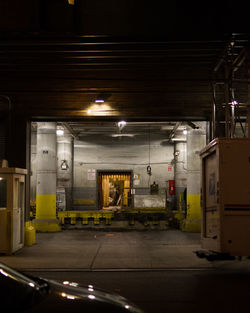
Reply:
x=196 y=140
x=65 y=167
x=46 y=220
x=180 y=156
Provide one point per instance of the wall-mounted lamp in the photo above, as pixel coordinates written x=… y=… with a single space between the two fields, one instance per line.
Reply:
x=121 y=124
x=60 y=132
x=99 y=108
x=149 y=170
x=64 y=165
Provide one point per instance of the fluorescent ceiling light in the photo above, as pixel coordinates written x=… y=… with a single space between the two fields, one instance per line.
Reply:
x=179 y=139
x=122 y=135
x=99 y=101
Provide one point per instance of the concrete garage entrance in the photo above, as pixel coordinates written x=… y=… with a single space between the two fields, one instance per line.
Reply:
x=123 y=170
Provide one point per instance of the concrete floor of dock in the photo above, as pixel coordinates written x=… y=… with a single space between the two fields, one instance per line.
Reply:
x=105 y=250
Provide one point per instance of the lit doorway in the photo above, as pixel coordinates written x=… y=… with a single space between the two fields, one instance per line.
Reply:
x=114 y=190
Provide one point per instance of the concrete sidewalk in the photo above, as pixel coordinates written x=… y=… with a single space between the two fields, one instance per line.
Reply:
x=99 y=250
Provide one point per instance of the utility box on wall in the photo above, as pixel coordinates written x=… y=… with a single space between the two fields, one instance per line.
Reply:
x=12 y=206
x=226 y=196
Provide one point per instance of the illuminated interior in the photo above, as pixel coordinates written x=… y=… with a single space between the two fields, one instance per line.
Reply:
x=114 y=190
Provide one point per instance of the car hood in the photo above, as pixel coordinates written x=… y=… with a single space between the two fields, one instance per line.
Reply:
x=72 y=297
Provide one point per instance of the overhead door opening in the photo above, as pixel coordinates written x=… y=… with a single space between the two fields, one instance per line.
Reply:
x=114 y=190
x=82 y=171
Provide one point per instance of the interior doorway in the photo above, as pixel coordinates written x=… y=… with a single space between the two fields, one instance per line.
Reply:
x=114 y=190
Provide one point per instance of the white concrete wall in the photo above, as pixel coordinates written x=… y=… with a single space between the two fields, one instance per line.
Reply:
x=109 y=153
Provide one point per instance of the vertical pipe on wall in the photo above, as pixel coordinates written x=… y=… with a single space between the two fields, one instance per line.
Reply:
x=180 y=171
x=227 y=105
x=213 y=113
x=46 y=219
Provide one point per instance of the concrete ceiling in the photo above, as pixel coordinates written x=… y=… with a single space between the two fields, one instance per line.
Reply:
x=166 y=130
x=138 y=79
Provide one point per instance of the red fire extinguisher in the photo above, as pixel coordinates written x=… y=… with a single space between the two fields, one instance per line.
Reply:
x=171 y=187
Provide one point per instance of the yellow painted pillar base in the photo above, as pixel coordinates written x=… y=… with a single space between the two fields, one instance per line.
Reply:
x=191 y=226
x=192 y=223
x=47 y=226
x=46 y=220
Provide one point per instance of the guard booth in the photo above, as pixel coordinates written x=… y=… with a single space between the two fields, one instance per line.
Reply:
x=12 y=206
x=226 y=196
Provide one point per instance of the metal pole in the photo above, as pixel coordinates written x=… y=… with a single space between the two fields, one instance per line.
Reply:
x=213 y=113
x=233 y=104
x=232 y=120
x=227 y=106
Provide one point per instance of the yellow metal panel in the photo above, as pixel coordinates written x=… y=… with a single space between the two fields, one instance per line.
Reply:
x=193 y=206
x=193 y=219
x=105 y=190
x=84 y=201
x=126 y=190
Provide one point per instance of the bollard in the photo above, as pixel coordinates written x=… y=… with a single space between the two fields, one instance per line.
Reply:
x=29 y=235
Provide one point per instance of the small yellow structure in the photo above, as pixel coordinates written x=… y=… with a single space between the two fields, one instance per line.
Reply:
x=12 y=206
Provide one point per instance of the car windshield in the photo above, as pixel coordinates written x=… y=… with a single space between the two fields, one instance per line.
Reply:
x=18 y=290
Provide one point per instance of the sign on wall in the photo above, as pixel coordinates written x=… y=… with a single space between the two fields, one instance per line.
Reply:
x=91 y=174
x=136 y=179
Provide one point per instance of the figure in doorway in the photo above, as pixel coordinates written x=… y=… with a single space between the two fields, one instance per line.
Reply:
x=114 y=195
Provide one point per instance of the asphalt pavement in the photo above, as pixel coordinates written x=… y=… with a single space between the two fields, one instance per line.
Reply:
x=172 y=290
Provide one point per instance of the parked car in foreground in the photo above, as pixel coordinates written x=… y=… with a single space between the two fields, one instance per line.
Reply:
x=22 y=293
